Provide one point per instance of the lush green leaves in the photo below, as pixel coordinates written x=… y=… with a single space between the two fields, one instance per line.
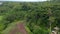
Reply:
x=36 y=15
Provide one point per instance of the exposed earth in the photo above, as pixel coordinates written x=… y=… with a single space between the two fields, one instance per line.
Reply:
x=19 y=28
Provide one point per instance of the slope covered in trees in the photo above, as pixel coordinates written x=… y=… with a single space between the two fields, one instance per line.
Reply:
x=35 y=15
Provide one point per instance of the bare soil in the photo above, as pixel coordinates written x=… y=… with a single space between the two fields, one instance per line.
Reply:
x=19 y=28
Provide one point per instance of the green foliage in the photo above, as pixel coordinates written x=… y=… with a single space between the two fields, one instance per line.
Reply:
x=36 y=15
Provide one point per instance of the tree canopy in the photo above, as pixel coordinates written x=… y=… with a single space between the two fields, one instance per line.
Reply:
x=36 y=15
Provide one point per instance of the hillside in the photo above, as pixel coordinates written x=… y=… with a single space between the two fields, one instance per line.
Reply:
x=36 y=17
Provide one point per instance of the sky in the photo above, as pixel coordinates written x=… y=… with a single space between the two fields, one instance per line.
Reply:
x=25 y=0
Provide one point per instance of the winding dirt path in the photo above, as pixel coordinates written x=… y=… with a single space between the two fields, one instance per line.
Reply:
x=20 y=28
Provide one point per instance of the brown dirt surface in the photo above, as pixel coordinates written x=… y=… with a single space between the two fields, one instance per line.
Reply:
x=19 y=28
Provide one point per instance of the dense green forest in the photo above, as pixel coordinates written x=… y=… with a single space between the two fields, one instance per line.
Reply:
x=35 y=15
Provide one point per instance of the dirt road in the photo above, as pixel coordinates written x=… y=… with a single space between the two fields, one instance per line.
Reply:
x=19 y=28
